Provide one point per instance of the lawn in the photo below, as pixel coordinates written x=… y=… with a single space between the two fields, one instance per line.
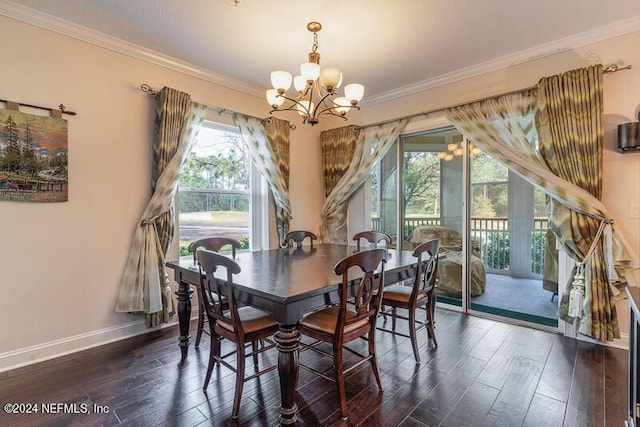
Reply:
x=214 y=218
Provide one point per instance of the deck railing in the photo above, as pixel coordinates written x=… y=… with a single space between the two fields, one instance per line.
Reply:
x=493 y=236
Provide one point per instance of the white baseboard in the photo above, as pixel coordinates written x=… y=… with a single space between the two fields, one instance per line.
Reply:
x=50 y=350
x=569 y=331
x=622 y=342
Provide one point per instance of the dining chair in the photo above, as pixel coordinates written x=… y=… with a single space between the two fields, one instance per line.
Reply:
x=215 y=244
x=297 y=237
x=344 y=323
x=421 y=294
x=373 y=238
x=240 y=325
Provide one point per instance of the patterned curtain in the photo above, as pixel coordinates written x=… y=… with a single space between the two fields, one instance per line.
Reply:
x=268 y=145
x=334 y=217
x=144 y=286
x=504 y=128
x=569 y=123
x=338 y=146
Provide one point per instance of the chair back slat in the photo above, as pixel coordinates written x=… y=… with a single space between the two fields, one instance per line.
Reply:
x=297 y=237
x=373 y=237
x=215 y=244
x=427 y=267
x=367 y=289
x=218 y=280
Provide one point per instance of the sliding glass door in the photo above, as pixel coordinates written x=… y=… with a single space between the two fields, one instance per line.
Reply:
x=496 y=244
x=509 y=232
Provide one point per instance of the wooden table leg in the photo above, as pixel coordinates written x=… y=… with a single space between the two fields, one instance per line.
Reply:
x=287 y=339
x=184 y=314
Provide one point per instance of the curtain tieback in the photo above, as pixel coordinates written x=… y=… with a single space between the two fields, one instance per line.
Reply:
x=151 y=221
x=576 y=296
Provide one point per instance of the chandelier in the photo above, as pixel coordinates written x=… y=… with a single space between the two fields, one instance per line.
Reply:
x=316 y=89
x=456 y=150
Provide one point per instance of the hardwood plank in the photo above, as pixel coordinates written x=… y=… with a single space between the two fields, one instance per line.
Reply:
x=615 y=383
x=500 y=365
x=473 y=406
x=585 y=406
x=558 y=371
x=512 y=403
x=405 y=400
x=545 y=412
x=538 y=345
x=446 y=394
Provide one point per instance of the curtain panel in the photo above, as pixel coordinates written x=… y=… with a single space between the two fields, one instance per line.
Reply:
x=334 y=216
x=145 y=284
x=569 y=122
x=505 y=129
x=338 y=146
x=268 y=144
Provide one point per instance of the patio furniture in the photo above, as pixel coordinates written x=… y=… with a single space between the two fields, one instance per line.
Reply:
x=450 y=269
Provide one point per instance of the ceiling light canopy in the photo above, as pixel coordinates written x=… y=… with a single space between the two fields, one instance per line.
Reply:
x=316 y=88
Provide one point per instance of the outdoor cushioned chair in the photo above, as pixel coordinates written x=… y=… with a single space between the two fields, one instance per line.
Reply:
x=450 y=268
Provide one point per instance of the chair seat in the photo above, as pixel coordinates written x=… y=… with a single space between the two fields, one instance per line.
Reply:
x=399 y=293
x=252 y=320
x=326 y=320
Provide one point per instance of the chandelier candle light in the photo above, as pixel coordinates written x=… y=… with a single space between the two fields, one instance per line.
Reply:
x=316 y=88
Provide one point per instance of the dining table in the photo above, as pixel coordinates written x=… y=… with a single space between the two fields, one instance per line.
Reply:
x=288 y=283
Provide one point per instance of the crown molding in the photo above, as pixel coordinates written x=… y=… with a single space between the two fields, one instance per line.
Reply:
x=616 y=29
x=48 y=22
x=70 y=29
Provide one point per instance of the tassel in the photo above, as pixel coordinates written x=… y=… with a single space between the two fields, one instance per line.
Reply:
x=576 y=295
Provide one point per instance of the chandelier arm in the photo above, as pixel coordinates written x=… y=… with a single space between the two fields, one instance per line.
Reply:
x=331 y=110
x=295 y=101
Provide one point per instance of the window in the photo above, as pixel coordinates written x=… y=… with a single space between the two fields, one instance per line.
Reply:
x=220 y=194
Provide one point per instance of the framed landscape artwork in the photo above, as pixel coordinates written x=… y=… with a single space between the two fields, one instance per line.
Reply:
x=33 y=158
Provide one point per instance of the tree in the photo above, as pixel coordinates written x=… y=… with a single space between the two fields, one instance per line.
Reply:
x=489 y=183
x=215 y=165
x=12 y=150
x=421 y=182
x=29 y=161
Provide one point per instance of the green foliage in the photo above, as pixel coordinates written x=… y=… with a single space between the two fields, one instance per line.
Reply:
x=421 y=183
x=482 y=207
x=197 y=201
x=495 y=250
x=494 y=246
x=538 y=249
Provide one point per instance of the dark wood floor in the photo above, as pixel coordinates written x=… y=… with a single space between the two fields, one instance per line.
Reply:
x=484 y=373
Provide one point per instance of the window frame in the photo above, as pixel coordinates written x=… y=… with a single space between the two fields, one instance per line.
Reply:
x=258 y=198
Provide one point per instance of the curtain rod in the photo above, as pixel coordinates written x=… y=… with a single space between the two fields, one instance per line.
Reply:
x=220 y=110
x=607 y=70
x=61 y=107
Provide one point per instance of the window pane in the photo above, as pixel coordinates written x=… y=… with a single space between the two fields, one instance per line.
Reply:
x=213 y=195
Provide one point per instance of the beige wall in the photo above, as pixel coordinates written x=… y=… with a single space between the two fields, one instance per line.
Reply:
x=61 y=263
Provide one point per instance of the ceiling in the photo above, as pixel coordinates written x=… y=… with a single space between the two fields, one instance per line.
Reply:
x=390 y=46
